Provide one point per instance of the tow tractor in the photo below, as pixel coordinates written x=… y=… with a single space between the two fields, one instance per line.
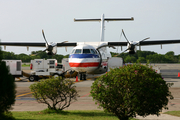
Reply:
x=42 y=68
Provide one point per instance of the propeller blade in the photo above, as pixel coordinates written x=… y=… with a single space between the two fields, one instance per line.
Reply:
x=121 y=35
x=125 y=50
x=64 y=41
x=44 y=37
x=38 y=52
x=142 y=40
x=145 y=39
x=35 y=54
x=125 y=36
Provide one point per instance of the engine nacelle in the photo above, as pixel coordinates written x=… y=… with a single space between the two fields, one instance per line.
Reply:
x=131 y=48
x=51 y=49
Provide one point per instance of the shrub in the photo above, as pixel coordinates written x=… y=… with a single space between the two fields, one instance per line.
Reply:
x=7 y=88
x=130 y=90
x=55 y=92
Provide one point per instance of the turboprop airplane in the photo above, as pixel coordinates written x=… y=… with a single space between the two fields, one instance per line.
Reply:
x=90 y=57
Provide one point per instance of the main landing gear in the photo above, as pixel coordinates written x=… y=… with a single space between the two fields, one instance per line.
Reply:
x=82 y=76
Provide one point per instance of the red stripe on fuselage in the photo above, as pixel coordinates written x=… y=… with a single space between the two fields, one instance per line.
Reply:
x=89 y=64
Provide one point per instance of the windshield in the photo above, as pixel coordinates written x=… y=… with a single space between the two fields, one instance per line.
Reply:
x=78 y=51
x=86 y=51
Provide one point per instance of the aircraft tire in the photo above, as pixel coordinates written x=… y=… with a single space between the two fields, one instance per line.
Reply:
x=80 y=76
x=84 y=76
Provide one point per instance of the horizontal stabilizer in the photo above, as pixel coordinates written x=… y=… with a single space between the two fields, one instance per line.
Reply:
x=106 y=19
x=76 y=20
x=118 y=19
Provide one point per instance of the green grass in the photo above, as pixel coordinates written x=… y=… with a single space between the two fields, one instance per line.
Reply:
x=64 y=115
x=25 y=65
x=174 y=113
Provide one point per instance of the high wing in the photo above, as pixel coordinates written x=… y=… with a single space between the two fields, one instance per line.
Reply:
x=71 y=44
x=51 y=48
x=158 y=42
x=144 y=43
x=30 y=44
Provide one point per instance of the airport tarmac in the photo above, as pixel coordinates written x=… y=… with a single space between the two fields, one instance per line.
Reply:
x=25 y=101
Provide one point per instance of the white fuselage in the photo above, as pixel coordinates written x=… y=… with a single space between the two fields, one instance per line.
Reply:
x=85 y=58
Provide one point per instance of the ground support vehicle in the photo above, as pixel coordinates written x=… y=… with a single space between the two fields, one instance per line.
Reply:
x=42 y=68
x=14 y=67
x=69 y=72
x=115 y=62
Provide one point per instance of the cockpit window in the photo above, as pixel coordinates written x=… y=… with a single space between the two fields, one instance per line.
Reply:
x=86 y=51
x=78 y=51
x=73 y=51
x=93 y=51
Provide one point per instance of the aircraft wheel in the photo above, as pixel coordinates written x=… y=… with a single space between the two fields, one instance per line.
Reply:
x=84 y=76
x=80 y=76
x=32 y=78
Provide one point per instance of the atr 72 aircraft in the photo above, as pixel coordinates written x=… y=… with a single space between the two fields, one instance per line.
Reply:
x=90 y=57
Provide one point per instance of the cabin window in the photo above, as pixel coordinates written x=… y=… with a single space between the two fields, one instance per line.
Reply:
x=86 y=51
x=78 y=51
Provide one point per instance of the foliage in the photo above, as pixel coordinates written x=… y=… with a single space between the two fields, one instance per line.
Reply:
x=28 y=58
x=130 y=90
x=7 y=88
x=55 y=92
x=143 y=56
x=6 y=116
x=140 y=56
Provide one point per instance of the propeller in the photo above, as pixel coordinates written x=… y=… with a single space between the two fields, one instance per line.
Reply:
x=49 y=46
x=132 y=45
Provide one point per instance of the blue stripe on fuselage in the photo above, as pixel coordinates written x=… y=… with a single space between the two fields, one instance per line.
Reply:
x=83 y=56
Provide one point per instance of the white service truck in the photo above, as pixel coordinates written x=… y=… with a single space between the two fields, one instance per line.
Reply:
x=44 y=68
x=14 y=67
x=115 y=62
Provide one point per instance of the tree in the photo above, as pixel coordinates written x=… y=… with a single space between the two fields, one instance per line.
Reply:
x=55 y=92
x=130 y=59
x=141 y=60
x=130 y=90
x=7 y=87
x=170 y=56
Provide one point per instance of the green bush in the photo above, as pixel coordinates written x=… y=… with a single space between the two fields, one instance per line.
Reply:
x=7 y=88
x=55 y=92
x=130 y=90
x=6 y=116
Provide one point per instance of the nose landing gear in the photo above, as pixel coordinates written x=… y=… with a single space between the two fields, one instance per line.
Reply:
x=82 y=76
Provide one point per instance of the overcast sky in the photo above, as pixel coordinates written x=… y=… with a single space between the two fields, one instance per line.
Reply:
x=23 y=21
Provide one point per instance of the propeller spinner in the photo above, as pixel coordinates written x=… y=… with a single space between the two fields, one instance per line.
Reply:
x=51 y=48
